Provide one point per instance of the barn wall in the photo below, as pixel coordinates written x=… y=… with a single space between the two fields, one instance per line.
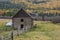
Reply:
x=28 y=23
x=16 y=22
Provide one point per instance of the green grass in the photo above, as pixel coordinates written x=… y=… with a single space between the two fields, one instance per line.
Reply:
x=3 y=27
x=42 y=31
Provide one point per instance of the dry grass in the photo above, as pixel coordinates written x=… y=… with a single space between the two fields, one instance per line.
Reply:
x=3 y=21
x=2 y=24
x=43 y=31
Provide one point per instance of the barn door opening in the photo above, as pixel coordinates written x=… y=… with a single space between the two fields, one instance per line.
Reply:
x=22 y=20
x=22 y=26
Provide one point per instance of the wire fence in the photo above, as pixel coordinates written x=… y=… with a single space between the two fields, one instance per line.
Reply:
x=10 y=35
x=6 y=36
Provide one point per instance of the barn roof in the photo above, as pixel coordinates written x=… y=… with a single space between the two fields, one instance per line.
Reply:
x=22 y=13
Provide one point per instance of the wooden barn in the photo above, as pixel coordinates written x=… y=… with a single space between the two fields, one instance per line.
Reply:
x=22 y=21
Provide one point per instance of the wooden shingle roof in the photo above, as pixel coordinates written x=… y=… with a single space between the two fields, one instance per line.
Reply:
x=21 y=13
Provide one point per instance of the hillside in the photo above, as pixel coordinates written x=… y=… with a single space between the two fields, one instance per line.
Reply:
x=38 y=6
x=43 y=31
x=4 y=0
x=32 y=6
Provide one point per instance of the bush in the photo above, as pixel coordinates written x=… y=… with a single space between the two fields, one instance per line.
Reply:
x=56 y=19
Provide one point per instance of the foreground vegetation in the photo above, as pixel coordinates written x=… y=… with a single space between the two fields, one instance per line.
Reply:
x=3 y=27
x=41 y=31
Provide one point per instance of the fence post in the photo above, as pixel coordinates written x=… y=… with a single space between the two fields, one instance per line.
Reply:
x=12 y=36
x=43 y=17
x=2 y=38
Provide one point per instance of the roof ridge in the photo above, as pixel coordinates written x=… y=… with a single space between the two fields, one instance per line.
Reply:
x=22 y=11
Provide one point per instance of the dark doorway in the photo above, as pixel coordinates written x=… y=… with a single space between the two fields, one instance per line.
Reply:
x=22 y=26
x=22 y=20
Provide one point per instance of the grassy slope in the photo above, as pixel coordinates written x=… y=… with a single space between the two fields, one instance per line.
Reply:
x=43 y=6
x=43 y=31
x=52 y=6
x=3 y=26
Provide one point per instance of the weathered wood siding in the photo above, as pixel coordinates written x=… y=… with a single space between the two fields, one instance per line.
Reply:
x=28 y=23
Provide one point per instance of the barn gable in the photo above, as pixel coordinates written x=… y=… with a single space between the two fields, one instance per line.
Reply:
x=22 y=21
x=21 y=13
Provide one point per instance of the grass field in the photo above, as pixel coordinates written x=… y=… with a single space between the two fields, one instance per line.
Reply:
x=3 y=25
x=42 y=31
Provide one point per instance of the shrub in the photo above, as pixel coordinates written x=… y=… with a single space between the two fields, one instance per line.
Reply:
x=56 y=19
